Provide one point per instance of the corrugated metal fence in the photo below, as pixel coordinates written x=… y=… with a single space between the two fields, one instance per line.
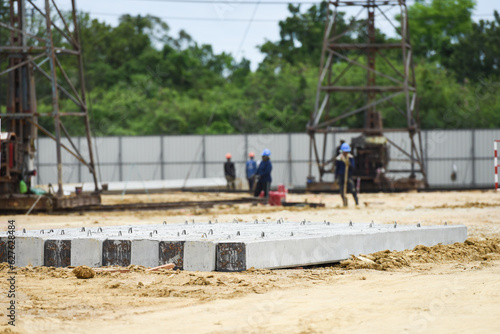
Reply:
x=179 y=157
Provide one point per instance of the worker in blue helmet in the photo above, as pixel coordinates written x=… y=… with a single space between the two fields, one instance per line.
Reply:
x=343 y=173
x=263 y=174
x=251 y=168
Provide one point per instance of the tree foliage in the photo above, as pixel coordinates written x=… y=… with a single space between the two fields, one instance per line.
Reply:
x=476 y=56
x=435 y=26
x=143 y=80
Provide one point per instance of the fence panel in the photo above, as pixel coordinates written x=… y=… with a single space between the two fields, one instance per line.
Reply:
x=483 y=143
x=276 y=143
x=182 y=149
x=179 y=157
x=138 y=150
x=449 y=144
x=217 y=146
x=300 y=147
x=440 y=172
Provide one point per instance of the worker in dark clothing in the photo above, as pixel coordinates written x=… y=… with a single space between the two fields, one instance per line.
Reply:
x=251 y=168
x=343 y=173
x=263 y=174
x=338 y=151
x=229 y=172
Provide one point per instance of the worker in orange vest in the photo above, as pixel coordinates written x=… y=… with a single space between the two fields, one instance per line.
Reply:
x=229 y=172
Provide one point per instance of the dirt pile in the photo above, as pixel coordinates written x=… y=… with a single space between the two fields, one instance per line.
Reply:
x=470 y=250
x=198 y=281
x=466 y=205
x=4 y=266
x=30 y=271
x=84 y=272
x=135 y=268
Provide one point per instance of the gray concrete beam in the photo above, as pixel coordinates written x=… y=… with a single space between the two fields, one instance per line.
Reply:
x=232 y=246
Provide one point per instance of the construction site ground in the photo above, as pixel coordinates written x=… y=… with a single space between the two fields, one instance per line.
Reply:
x=441 y=289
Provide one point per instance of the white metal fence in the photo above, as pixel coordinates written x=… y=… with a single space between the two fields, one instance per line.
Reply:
x=197 y=156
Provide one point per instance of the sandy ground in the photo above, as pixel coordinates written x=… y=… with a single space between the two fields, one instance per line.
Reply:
x=442 y=289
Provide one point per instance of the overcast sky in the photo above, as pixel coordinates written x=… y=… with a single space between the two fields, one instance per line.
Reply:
x=228 y=25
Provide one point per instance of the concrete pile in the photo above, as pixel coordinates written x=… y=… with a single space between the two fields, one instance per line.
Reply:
x=232 y=246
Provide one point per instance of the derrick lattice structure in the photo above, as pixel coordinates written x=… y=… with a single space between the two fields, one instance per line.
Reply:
x=341 y=101
x=28 y=56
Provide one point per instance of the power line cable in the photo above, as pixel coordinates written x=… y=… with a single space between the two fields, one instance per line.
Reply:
x=243 y=2
x=250 y=2
x=247 y=30
x=187 y=18
x=198 y=18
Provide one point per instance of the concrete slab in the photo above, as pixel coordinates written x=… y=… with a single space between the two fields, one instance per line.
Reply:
x=228 y=246
x=86 y=252
x=3 y=250
x=287 y=253
x=29 y=251
x=231 y=256
x=171 y=252
x=151 y=185
x=199 y=255
x=116 y=252
x=57 y=253
x=145 y=253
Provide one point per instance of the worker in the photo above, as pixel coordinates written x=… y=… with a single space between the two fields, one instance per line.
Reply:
x=229 y=172
x=343 y=173
x=263 y=174
x=337 y=152
x=251 y=168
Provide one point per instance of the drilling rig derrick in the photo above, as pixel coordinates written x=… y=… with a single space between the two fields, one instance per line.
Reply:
x=341 y=100
x=28 y=57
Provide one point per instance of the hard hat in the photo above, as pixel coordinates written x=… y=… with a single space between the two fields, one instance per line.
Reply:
x=345 y=147
x=251 y=154
x=266 y=153
x=228 y=156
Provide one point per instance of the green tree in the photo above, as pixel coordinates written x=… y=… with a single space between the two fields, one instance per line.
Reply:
x=476 y=56
x=435 y=26
x=142 y=80
x=301 y=36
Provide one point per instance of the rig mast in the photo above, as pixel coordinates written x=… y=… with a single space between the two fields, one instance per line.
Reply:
x=394 y=87
x=24 y=57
